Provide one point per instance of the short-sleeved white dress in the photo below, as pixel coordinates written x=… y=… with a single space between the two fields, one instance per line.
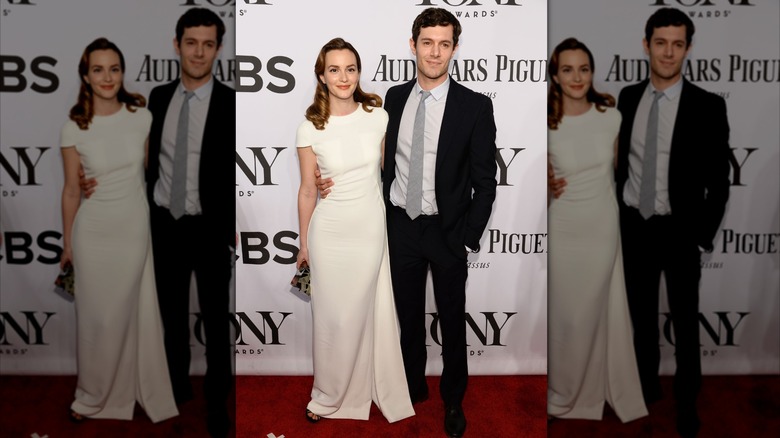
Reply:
x=589 y=341
x=121 y=356
x=356 y=340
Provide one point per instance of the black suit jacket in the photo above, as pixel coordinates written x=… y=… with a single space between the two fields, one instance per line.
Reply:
x=217 y=180
x=698 y=161
x=465 y=161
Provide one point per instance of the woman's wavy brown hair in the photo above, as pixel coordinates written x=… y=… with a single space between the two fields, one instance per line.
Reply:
x=555 y=96
x=83 y=111
x=319 y=111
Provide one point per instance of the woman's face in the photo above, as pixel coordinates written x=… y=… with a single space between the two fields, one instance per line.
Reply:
x=574 y=74
x=104 y=74
x=341 y=74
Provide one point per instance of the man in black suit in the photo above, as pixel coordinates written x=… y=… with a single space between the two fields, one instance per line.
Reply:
x=199 y=239
x=458 y=190
x=689 y=188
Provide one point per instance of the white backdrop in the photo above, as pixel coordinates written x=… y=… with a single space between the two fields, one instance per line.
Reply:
x=42 y=42
x=502 y=54
x=735 y=53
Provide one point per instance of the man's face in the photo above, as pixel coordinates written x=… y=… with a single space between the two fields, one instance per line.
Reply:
x=667 y=49
x=434 y=50
x=197 y=51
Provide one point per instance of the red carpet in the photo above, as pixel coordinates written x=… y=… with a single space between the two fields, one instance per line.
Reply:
x=729 y=407
x=495 y=407
x=37 y=406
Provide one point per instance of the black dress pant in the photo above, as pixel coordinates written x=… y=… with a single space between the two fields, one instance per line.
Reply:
x=651 y=247
x=182 y=247
x=415 y=246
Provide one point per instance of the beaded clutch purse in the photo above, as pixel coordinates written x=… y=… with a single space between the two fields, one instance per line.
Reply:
x=65 y=282
x=302 y=280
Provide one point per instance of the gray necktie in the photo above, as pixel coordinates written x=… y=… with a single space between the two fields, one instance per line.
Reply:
x=414 y=184
x=179 y=179
x=647 y=188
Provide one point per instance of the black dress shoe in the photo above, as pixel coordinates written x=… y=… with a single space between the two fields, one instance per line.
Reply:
x=218 y=423
x=419 y=397
x=688 y=423
x=652 y=394
x=454 y=421
x=183 y=396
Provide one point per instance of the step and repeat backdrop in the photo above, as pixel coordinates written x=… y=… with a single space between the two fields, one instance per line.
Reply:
x=503 y=52
x=42 y=42
x=502 y=55
x=736 y=54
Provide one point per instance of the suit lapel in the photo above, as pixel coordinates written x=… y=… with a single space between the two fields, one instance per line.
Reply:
x=450 y=120
x=212 y=115
x=684 y=113
x=634 y=101
x=167 y=96
x=394 y=124
x=159 y=109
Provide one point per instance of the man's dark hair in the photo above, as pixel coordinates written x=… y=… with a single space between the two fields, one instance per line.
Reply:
x=195 y=17
x=669 y=17
x=431 y=17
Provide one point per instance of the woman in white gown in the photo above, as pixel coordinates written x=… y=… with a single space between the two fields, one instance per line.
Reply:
x=356 y=343
x=590 y=349
x=120 y=357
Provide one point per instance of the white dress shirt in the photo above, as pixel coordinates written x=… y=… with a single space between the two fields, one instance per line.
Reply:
x=434 y=113
x=199 y=106
x=667 y=113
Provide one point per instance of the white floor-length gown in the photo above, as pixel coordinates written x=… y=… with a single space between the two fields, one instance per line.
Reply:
x=356 y=340
x=121 y=356
x=590 y=343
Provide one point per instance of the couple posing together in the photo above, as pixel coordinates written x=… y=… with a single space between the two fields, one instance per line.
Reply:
x=131 y=241
x=406 y=187
x=637 y=191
